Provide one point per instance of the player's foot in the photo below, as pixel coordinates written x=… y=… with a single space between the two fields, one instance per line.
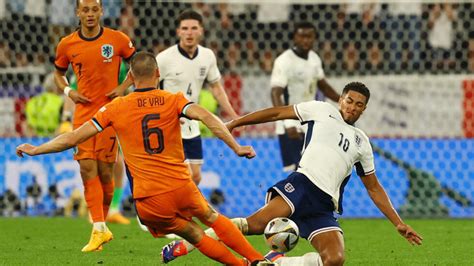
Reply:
x=259 y=263
x=274 y=255
x=172 y=236
x=117 y=218
x=97 y=240
x=173 y=250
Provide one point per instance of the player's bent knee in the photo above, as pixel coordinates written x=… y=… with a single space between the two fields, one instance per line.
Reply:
x=192 y=233
x=333 y=258
x=209 y=217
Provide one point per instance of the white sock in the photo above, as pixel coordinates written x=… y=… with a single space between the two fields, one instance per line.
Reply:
x=311 y=258
x=100 y=226
x=241 y=223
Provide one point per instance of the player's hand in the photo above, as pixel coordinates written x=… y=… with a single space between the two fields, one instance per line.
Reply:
x=411 y=235
x=293 y=133
x=25 y=148
x=245 y=151
x=76 y=97
x=119 y=91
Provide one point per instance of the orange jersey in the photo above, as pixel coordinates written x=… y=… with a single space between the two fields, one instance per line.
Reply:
x=96 y=63
x=148 y=128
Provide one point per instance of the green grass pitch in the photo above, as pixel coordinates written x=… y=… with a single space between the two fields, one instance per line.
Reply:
x=58 y=241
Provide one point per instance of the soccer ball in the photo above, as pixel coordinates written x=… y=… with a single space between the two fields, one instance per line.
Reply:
x=281 y=234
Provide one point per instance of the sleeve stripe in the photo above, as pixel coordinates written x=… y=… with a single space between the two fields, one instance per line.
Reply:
x=369 y=172
x=297 y=113
x=185 y=108
x=96 y=124
x=60 y=68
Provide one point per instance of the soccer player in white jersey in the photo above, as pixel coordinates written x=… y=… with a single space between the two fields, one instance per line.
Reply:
x=311 y=194
x=297 y=75
x=185 y=67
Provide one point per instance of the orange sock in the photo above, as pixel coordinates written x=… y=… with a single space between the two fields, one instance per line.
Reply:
x=217 y=251
x=108 y=190
x=233 y=238
x=94 y=198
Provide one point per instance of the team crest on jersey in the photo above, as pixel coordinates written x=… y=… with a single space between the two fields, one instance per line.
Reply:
x=357 y=140
x=202 y=71
x=289 y=187
x=107 y=51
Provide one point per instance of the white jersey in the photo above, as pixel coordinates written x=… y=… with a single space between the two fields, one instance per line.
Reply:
x=332 y=148
x=299 y=76
x=180 y=73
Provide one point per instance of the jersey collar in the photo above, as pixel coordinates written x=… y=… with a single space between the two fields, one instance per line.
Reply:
x=300 y=55
x=183 y=52
x=144 y=89
x=93 y=38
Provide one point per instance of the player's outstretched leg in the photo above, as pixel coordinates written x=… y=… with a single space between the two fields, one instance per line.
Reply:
x=208 y=246
x=180 y=248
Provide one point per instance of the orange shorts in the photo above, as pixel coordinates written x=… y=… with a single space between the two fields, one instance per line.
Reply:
x=101 y=147
x=170 y=212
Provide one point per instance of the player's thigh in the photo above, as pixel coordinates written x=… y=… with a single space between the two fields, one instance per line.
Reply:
x=88 y=169
x=330 y=246
x=195 y=205
x=105 y=171
x=106 y=146
x=276 y=207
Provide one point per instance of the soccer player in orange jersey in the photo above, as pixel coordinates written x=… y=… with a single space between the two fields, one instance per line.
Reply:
x=147 y=125
x=95 y=54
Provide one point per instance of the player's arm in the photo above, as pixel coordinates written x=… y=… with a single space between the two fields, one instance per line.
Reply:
x=263 y=116
x=382 y=201
x=328 y=90
x=221 y=97
x=62 y=83
x=218 y=128
x=60 y=143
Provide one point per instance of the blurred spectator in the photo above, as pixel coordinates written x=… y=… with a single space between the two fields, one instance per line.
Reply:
x=327 y=55
x=374 y=58
x=128 y=21
x=4 y=55
x=266 y=62
x=441 y=33
x=233 y=56
x=351 y=57
x=21 y=59
x=43 y=111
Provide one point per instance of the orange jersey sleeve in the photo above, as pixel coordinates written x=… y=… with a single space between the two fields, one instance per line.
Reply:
x=148 y=128
x=61 y=61
x=96 y=63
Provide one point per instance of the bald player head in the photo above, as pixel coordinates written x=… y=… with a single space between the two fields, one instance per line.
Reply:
x=144 y=70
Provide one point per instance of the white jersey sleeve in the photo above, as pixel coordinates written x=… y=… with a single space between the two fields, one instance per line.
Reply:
x=279 y=75
x=213 y=75
x=312 y=110
x=365 y=165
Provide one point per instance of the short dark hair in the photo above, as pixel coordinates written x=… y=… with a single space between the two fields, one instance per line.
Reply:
x=143 y=65
x=303 y=25
x=189 y=14
x=358 y=87
x=79 y=1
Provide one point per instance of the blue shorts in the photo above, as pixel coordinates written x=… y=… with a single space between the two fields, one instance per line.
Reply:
x=311 y=208
x=193 y=150
x=290 y=151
